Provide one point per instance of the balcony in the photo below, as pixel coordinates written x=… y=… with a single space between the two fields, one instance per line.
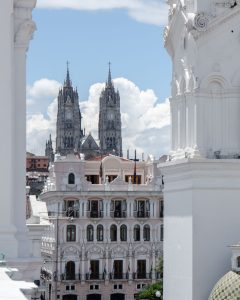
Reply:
x=141 y=214
x=142 y=275
x=118 y=276
x=95 y=214
x=118 y=214
x=70 y=277
x=94 y=276
x=71 y=213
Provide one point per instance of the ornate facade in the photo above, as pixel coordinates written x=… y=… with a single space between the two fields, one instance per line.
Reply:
x=109 y=126
x=106 y=236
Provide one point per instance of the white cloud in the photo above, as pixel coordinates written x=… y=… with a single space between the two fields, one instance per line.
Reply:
x=145 y=121
x=146 y=11
x=40 y=94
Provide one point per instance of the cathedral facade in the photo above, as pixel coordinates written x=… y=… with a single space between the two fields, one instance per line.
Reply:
x=69 y=131
x=70 y=137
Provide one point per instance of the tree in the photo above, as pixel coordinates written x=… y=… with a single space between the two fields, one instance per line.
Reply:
x=149 y=292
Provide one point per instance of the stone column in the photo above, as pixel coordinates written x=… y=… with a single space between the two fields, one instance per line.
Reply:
x=15 y=18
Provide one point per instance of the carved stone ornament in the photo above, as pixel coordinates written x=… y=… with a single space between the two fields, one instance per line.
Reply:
x=71 y=251
x=24 y=33
x=201 y=21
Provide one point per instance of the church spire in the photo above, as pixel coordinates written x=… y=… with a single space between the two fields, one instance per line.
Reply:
x=68 y=80
x=109 y=82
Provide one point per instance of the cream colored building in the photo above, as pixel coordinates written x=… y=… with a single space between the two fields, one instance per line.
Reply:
x=105 y=238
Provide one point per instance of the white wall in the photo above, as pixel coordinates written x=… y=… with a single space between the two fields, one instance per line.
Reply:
x=16 y=28
x=201 y=220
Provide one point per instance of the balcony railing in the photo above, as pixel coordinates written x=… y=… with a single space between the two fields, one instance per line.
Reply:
x=118 y=276
x=100 y=276
x=70 y=277
x=95 y=214
x=71 y=213
x=141 y=214
x=142 y=275
x=118 y=214
x=94 y=276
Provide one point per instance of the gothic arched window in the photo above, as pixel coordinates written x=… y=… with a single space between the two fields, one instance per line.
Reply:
x=71 y=233
x=123 y=233
x=146 y=233
x=113 y=233
x=99 y=233
x=136 y=233
x=71 y=178
x=70 y=270
x=90 y=233
x=161 y=232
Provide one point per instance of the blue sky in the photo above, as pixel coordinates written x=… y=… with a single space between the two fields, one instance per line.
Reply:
x=89 y=37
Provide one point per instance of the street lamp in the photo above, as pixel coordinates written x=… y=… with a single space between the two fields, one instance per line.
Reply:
x=158 y=294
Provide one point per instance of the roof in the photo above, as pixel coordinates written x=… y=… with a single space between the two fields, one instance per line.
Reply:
x=227 y=288
x=11 y=289
x=99 y=158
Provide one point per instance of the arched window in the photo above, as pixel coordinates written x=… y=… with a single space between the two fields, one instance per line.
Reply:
x=71 y=178
x=123 y=233
x=146 y=233
x=136 y=233
x=90 y=233
x=70 y=270
x=71 y=233
x=238 y=261
x=99 y=233
x=161 y=232
x=113 y=233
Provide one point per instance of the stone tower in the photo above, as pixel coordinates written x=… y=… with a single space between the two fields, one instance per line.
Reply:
x=49 y=149
x=69 y=117
x=109 y=126
x=202 y=178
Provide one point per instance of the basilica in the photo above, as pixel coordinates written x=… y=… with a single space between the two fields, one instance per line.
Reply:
x=70 y=137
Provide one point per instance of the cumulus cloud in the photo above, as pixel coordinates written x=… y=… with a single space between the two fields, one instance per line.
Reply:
x=146 y=11
x=145 y=121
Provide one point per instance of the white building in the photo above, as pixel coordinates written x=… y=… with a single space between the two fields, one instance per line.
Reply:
x=105 y=238
x=202 y=181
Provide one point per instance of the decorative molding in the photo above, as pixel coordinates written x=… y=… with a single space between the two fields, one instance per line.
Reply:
x=201 y=21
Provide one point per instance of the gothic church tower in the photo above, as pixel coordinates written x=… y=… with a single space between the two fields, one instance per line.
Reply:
x=69 y=117
x=109 y=126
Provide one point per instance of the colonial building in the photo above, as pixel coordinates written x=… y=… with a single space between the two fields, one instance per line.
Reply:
x=109 y=126
x=69 y=130
x=106 y=232
x=202 y=185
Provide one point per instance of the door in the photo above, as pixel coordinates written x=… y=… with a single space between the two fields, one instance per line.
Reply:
x=93 y=297
x=94 y=209
x=141 y=269
x=70 y=270
x=118 y=209
x=70 y=297
x=117 y=296
x=94 y=269
x=118 y=269
x=141 y=208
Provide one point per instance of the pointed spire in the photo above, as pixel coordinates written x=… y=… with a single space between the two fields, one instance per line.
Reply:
x=109 y=82
x=68 y=80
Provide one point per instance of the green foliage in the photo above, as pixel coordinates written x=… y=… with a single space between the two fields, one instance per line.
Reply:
x=149 y=292
x=159 y=265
